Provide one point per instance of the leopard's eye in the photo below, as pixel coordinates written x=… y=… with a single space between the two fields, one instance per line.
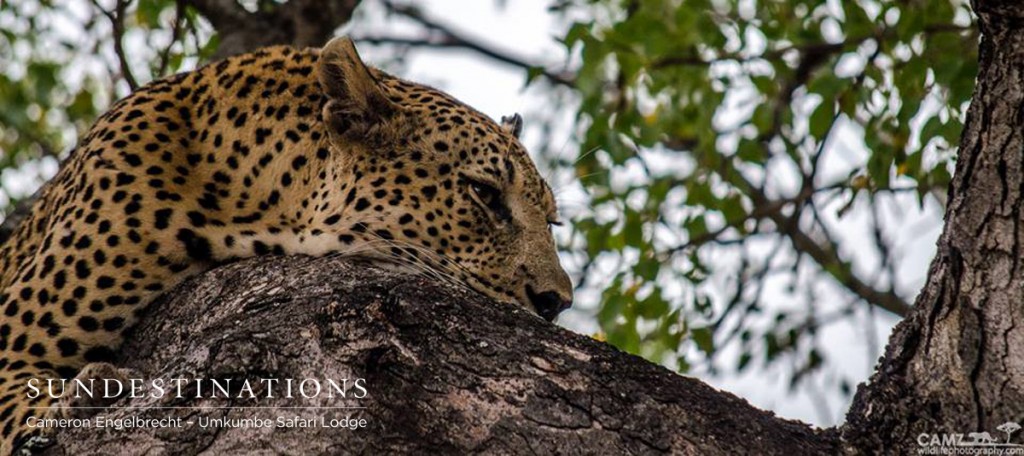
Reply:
x=492 y=199
x=488 y=195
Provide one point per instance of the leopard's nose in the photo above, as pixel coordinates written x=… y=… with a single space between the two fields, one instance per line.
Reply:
x=548 y=303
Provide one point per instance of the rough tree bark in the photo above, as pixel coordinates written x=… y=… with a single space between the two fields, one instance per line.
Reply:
x=447 y=372
x=452 y=372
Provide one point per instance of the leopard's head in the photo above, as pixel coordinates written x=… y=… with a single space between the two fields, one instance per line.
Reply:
x=433 y=184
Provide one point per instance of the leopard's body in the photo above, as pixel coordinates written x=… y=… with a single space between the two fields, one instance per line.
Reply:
x=280 y=151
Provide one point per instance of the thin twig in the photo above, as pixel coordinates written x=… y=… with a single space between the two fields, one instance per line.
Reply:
x=116 y=18
x=812 y=48
x=450 y=38
x=179 y=19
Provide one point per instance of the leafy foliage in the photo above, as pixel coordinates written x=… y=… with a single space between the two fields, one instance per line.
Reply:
x=723 y=105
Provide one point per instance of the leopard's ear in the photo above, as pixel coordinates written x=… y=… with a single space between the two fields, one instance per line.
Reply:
x=356 y=100
x=513 y=124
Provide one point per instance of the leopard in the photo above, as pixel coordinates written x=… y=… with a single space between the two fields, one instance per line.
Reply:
x=280 y=151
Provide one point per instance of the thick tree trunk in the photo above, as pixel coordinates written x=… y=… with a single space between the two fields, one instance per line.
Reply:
x=956 y=365
x=446 y=371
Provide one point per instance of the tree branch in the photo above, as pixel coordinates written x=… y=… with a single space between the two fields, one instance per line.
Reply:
x=446 y=372
x=299 y=23
x=315 y=21
x=116 y=18
x=805 y=49
x=822 y=253
x=179 y=18
x=825 y=255
x=224 y=15
x=446 y=37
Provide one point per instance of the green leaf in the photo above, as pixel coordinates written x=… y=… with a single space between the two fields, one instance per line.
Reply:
x=533 y=72
x=704 y=339
x=821 y=119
